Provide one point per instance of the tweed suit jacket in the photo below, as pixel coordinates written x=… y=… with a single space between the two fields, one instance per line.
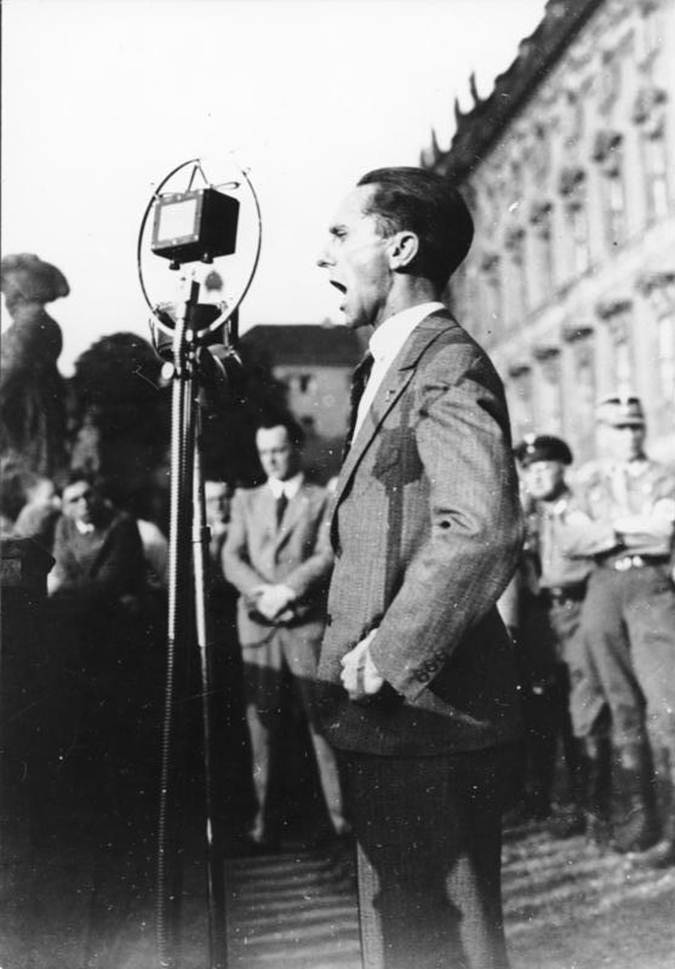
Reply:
x=298 y=554
x=426 y=531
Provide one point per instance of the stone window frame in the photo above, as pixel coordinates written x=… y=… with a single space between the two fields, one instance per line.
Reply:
x=658 y=289
x=608 y=155
x=617 y=314
x=649 y=117
x=580 y=353
x=490 y=270
x=573 y=187
x=541 y=218
x=550 y=368
x=514 y=245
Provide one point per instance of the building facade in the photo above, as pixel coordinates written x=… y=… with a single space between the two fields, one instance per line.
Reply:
x=315 y=363
x=568 y=168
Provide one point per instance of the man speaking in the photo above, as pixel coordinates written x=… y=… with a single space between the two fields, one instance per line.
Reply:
x=419 y=681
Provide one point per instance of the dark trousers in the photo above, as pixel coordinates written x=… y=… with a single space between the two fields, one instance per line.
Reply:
x=548 y=643
x=626 y=662
x=264 y=694
x=429 y=857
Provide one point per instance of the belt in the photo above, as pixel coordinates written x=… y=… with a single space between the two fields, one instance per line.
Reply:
x=626 y=562
x=560 y=594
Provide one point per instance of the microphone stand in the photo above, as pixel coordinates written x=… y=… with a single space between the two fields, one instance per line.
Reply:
x=188 y=625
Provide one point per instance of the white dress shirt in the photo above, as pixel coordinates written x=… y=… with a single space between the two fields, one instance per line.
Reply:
x=289 y=488
x=385 y=344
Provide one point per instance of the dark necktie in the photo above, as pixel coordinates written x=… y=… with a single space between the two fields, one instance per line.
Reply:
x=359 y=381
x=282 y=502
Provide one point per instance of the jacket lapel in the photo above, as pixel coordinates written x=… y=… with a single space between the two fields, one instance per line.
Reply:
x=267 y=509
x=396 y=380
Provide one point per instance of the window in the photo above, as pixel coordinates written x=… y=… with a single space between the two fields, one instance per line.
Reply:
x=492 y=295
x=576 y=214
x=608 y=153
x=542 y=269
x=521 y=401
x=654 y=152
x=549 y=409
x=623 y=370
x=573 y=190
x=616 y=313
x=516 y=280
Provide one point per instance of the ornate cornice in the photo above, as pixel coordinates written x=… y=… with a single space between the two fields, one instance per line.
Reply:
x=545 y=351
x=658 y=279
x=570 y=179
x=571 y=332
x=513 y=239
x=519 y=369
x=540 y=212
x=607 y=310
x=489 y=262
x=659 y=288
x=605 y=143
x=479 y=129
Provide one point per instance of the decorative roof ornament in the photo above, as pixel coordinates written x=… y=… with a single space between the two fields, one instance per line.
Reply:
x=430 y=156
x=477 y=100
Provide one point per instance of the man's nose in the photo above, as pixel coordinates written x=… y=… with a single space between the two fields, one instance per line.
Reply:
x=325 y=259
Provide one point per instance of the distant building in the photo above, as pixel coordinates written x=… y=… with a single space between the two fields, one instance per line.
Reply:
x=568 y=168
x=315 y=362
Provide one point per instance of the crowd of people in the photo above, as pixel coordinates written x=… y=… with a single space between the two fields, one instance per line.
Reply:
x=370 y=612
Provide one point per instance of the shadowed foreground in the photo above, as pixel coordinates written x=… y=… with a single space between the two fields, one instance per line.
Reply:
x=86 y=903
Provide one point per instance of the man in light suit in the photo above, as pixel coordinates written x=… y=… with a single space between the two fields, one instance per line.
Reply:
x=277 y=554
x=417 y=672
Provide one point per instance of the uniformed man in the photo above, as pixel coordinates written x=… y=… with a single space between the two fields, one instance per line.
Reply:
x=627 y=666
x=552 y=588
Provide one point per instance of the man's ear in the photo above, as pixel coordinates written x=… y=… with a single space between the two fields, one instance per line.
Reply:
x=403 y=248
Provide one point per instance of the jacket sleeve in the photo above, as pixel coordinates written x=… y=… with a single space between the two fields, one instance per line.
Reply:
x=237 y=567
x=475 y=534
x=315 y=570
x=582 y=537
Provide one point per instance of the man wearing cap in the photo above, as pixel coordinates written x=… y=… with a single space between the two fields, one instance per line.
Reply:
x=552 y=588
x=628 y=625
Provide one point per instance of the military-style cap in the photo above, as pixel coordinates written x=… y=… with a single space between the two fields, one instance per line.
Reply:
x=542 y=447
x=621 y=411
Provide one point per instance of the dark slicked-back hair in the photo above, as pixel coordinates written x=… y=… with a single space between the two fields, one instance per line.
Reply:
x=428 y=205
x=296 y=434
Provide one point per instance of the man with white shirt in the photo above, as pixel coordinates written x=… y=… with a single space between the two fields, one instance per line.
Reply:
x=628 y=625
x=277 y=554
x=417 y=674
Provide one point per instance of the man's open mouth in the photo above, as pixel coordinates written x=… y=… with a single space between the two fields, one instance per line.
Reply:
x=341 y=289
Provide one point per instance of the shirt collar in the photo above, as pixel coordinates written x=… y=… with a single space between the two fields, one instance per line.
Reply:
x=390 y=336
x=290 y=487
